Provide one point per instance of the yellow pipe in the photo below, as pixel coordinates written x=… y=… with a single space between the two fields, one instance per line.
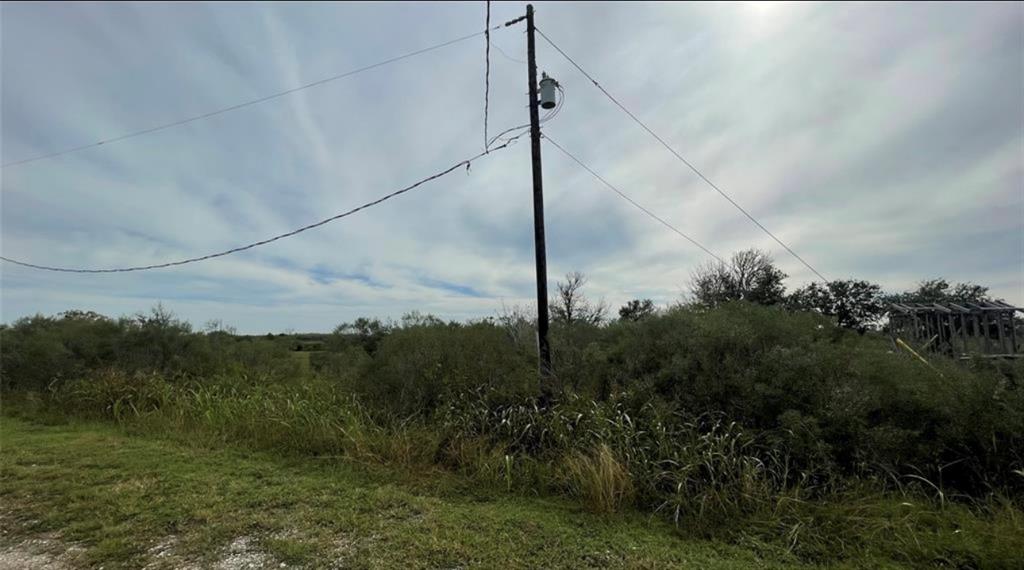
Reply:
x=900 y=342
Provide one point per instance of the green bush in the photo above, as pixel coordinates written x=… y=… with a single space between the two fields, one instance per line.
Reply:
x=836 y=399
x=417 y=369
x=42 y=352
x=37 y=352
x=342 y=367
x=32 y=356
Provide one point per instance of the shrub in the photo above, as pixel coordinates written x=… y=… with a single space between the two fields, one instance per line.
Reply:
x=416 y=369
x=34 y=356
x=342 y=367
x=842 y=403
x=39 y=352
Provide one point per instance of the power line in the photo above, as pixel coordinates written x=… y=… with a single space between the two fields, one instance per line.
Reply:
x=250 y=102
x=386 y=197
x=506 y=55
x=631 y=201
x=680 y=157
x=547 y=117
x=487 y=73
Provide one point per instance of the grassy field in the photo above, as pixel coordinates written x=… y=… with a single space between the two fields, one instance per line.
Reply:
x=302 y=358
x=127 y=501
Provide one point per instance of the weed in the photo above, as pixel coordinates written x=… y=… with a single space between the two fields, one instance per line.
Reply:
x=600 y=479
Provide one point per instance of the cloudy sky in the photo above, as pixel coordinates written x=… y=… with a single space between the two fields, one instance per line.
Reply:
x=881 y=141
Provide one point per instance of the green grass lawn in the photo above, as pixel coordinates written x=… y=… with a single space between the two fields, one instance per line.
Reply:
x=128 y=501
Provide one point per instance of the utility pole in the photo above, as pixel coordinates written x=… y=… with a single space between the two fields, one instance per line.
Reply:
x=543 y=348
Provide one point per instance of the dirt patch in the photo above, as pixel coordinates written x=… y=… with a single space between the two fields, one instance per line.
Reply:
x=243 y=554
x=164 y=555
x=164 y=549
x=44 y=553
x=48 y=552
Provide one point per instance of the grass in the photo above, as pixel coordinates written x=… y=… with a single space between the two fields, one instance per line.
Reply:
x=302 y=358
x=600 y=479
x=124 y=498
x=268 y=456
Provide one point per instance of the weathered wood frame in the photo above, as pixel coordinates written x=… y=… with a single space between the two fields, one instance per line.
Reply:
x=987 y=328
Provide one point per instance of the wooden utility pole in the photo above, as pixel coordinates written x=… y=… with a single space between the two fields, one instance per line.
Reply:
x=543 y=348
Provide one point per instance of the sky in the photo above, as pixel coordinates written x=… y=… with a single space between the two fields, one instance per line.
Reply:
x=880 y=141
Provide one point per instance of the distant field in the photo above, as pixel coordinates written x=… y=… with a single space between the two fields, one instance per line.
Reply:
x=87 y=495
x=302 y=357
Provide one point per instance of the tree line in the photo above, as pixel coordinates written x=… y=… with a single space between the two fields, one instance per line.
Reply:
x=751 y=275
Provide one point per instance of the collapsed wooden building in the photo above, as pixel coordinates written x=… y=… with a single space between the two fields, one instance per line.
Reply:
x=960 y=330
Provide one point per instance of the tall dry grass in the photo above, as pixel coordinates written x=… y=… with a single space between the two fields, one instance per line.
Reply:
x=599 y=478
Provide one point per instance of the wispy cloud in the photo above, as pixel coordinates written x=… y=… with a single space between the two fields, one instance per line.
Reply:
x=881 y=142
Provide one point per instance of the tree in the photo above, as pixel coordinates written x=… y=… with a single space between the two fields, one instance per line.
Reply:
x=970 y=293
x=368 y=333
x=84 y=316
x=157 y=340
x=636 y=310
x=571 y=306
x=518 y=323
x=219 y=327
x=418 y=319
x=941 y=291
x=750 y=276
x=856 y=304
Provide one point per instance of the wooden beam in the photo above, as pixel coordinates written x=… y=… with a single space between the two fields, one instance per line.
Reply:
x=963 y=332
x=984 y=327
x=1013 y=334
x=976 y=326
x=951 y=333
x=999 y=331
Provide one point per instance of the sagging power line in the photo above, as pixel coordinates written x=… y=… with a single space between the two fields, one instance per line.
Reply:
x=252 y=101
x=680 y=157
x=384 y=198
x=506 y=55
x=637 y=205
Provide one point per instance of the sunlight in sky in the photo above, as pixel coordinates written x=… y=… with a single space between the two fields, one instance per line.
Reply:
x=764 y=16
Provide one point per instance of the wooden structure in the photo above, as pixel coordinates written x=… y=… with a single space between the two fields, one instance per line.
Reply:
x=959 y=330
